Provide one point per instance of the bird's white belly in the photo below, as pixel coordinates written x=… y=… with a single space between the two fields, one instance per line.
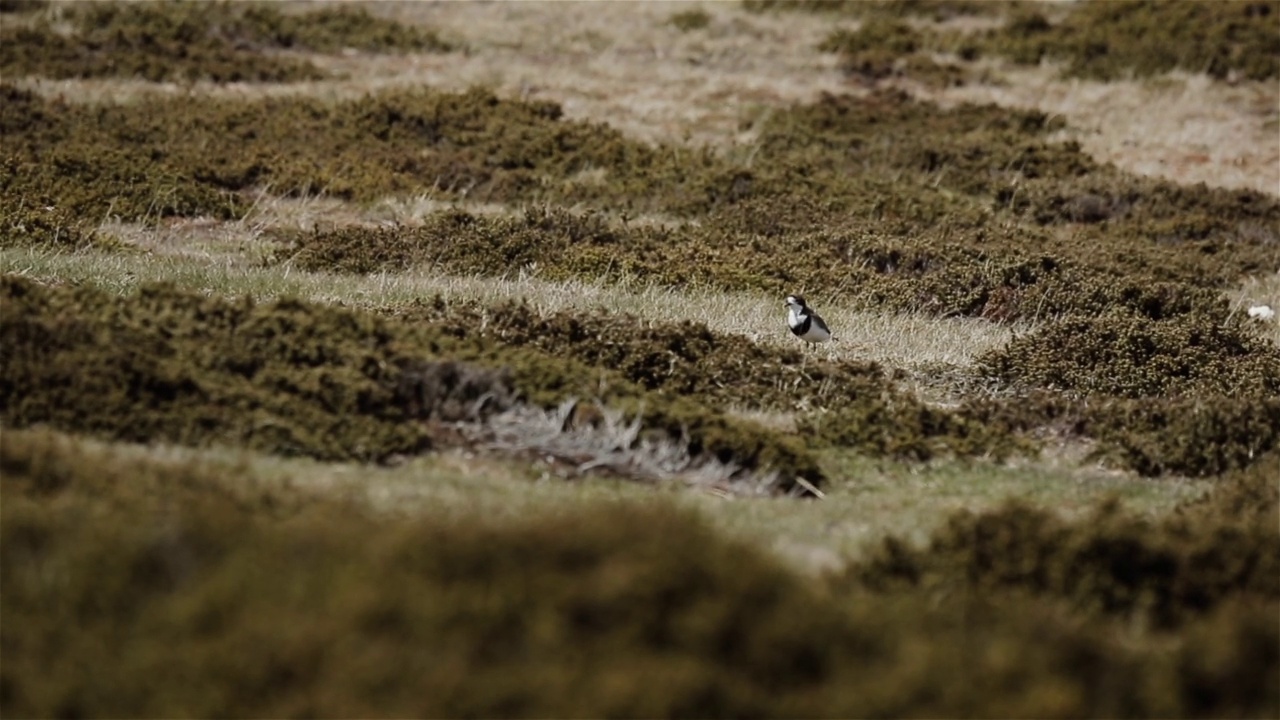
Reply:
x=816 y=334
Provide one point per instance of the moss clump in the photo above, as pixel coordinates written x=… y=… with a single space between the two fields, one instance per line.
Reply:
x=45 y=226
x=883 y=49
x=1114 y=40
x=896 y=424
x=1193 y=394
x=221 y=42
x=608 y=610
x=1166 y=571
x=123 y=159
x=177 y=367
x=1201 y=436
x=689 y=20
x=1129 y=355
x=302 y=379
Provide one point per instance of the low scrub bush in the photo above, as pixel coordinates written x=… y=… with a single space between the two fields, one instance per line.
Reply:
x=1127 y=355
x=297 y=378
x=194 y=590
x=187 y=41
x=1165 y=571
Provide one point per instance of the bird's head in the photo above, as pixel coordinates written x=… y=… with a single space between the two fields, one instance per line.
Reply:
x=796 y=302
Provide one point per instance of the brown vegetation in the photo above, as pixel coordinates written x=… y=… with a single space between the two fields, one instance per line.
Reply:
x=134 y=583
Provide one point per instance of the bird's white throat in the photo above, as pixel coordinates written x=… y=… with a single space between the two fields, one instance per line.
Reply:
x=794 y=316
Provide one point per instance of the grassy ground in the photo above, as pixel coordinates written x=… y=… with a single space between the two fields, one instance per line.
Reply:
x=1045 y=397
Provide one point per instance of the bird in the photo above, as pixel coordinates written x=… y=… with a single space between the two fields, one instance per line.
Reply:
x=804 y=322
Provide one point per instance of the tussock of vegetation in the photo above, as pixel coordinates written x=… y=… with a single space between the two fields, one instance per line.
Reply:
x=164 y=156
x=1202 y=436
x=1115 y=40
x=24 y=225
x=690 y=20
x=611 y=611
x=936 y=10
x=1104 y=41
x=1128 y=355
x=302 y=379
x=1168 y=570
x=218 y=41
x=883 y=49
x=89 y=166
x=896 y=424
x=1191 y=394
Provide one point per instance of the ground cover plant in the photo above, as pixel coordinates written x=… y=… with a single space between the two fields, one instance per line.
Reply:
x=334 y=384
x=294 y=378
x=1095 y=40
x=199 y=572
x=218 y=41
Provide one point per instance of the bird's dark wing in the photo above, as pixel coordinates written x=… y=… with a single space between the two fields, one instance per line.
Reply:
x=817 y=320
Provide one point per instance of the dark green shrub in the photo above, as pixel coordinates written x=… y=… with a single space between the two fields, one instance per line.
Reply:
x=1168 y=570
x=217 y=41
x=297 y=378
x=1132 y=356
x=193 y=589
x=1113 y=40
x=689 y=20
x=1200 y=436
x=896 y=424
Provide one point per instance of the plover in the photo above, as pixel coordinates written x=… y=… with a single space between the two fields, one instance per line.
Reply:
x=805 y=323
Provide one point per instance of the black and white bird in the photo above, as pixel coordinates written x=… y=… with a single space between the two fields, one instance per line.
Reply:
x=804 y=322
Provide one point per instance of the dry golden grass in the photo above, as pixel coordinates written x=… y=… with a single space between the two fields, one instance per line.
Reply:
x=220 y=258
